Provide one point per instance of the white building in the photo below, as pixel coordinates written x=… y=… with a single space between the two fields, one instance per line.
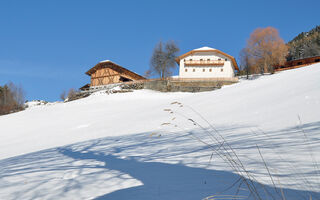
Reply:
x=206 y=62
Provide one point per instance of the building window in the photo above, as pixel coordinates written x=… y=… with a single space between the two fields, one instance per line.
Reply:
x=219 y=59
x=299 y=63
x=201 y=59
x=203 y=70
x=208 y=59
x=226 y=59
x=194 y=70
x=190 y=59
x=210 y=70
x=221 y=69
x=186 y=70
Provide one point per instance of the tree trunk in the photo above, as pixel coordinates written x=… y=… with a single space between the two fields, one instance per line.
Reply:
x=272 y=69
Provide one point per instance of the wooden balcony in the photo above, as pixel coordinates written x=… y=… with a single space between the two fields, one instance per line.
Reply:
x=204 y=62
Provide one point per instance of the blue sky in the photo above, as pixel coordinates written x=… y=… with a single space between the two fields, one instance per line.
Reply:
x=47 y=46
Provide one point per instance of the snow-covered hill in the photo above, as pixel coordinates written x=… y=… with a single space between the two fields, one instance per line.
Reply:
x=142 y=145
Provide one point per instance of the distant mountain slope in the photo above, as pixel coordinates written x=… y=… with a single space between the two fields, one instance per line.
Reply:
x=306 y=44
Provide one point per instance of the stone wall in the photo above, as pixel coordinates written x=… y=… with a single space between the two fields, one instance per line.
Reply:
x=184 y=86
x=170 y=85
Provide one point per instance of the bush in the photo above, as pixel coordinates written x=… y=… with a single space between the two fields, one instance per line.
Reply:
x=63 y=95
x=72 y=94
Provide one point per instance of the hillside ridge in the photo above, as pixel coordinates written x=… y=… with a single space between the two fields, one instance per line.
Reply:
x=304 y=45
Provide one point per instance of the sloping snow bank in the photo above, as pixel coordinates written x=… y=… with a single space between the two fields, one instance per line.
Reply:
x=97 y=116
x=280 y=113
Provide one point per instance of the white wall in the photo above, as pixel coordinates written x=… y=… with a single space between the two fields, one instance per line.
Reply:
x=228 y=68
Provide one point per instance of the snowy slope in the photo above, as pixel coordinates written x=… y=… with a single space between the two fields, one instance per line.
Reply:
x=115 y=146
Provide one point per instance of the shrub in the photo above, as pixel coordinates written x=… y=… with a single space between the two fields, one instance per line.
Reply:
x=72 y=94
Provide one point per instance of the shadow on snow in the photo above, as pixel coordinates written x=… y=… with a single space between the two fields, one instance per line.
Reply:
x=33 y=175
x=176 y=181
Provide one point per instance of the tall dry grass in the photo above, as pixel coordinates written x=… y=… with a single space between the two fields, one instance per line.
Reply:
x=222 y=148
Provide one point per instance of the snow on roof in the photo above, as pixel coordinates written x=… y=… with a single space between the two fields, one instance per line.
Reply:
x=105 y=61
x=204 y=48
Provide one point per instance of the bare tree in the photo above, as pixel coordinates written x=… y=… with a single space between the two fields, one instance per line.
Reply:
x=11 y=98
x=4 y=95
x=244 y=61
x=265 y=49
x=163 y=58
x=63 y=95
x=18 y=94
x=72 y=94
x=147 y=74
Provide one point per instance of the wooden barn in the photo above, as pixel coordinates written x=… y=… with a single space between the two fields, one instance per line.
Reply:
x=107 y=72
x=303 y=61
x=298 y=63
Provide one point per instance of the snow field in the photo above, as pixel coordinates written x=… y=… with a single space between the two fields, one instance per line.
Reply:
x=126 y=145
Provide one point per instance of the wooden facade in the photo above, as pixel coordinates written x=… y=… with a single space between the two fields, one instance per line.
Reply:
x=203 y=62
x=298 y=63
x=107 y=72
